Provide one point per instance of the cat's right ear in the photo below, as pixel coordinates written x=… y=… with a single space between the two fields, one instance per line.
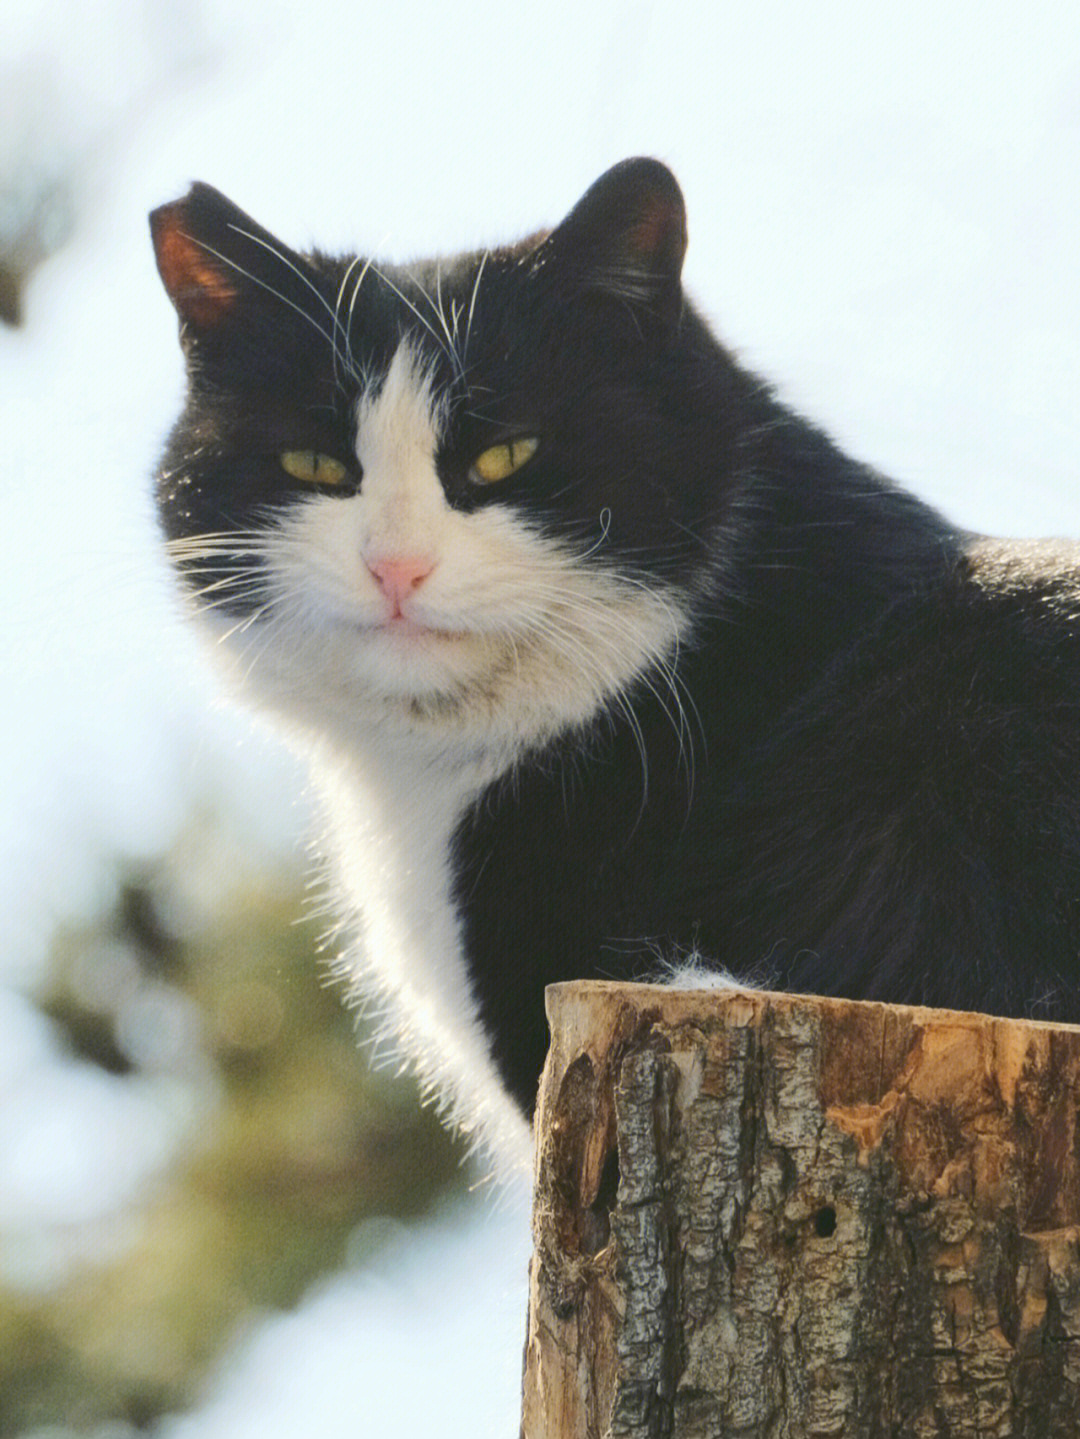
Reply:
x=626 y=238
x=212 y=257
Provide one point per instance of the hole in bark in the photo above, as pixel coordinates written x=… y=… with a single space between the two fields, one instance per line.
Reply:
x=596 y=1228
x=573 y=1115
x=608 y=1187
x=825 y=1222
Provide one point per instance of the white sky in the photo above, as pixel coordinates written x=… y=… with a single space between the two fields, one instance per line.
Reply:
x=884 y=214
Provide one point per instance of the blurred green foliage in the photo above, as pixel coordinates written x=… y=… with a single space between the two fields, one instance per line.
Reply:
x=204 y=972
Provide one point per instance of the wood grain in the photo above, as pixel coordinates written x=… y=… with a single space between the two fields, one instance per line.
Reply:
x=766 y=1216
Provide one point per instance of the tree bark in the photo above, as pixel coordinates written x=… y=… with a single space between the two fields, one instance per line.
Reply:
x=764 y=1216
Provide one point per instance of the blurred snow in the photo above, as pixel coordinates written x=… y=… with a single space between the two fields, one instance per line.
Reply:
x=884 y=213
x=427 y=1341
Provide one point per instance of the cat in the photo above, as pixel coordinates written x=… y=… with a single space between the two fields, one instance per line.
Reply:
x=606 y=661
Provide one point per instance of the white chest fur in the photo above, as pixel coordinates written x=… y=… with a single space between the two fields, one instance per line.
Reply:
x=391 y=822
x=513 y=636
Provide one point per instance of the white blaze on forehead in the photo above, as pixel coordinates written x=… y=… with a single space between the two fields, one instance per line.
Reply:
x=398 y=431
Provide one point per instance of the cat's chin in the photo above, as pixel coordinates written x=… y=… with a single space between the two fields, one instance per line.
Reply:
x=404 y=662
x=405 y=656
x=410 y=634
x=301 y=669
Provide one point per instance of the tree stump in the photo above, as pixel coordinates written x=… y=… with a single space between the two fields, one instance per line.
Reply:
x=765 y=1216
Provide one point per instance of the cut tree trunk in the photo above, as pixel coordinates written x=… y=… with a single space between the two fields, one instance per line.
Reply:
x=764 y=1216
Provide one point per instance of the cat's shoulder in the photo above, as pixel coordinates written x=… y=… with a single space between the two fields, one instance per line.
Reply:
x=976 y=674
x=1024 y=574
x=1006 y=623
x=1001 y=615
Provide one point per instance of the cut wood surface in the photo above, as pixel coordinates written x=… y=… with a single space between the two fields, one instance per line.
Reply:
x=824 y=1218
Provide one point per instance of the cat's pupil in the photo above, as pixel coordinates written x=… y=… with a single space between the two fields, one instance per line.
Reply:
x=313 y=468
x=499 y=462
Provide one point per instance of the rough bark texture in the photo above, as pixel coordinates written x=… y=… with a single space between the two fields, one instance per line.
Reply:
x=824 y=1218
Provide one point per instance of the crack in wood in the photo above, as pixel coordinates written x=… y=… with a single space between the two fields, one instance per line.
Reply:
x=807 y=1193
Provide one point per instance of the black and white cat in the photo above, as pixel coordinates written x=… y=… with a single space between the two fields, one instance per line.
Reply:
x=603 y=658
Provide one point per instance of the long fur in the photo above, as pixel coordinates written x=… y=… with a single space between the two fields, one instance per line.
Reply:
x=689 y=683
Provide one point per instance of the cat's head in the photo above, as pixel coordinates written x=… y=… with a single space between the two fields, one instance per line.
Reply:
x=466 y=492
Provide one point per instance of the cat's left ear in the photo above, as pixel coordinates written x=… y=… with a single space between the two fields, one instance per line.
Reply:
x=626 y=238
x=217 y=264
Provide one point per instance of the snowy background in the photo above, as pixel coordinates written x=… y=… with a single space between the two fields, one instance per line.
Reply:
x=884 y=215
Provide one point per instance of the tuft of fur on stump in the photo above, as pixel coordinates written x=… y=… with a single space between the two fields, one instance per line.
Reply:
x=766 y=1216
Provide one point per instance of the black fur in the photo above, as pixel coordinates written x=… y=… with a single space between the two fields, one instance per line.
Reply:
x=877 y=791
x=903 y=826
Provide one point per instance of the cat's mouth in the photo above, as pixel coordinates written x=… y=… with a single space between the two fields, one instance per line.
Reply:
x=403 y=630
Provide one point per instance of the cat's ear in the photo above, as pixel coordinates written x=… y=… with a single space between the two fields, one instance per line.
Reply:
x=626 y=237
x=212 y=258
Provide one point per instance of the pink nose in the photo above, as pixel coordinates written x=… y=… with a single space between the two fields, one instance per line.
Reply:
x=398 y=578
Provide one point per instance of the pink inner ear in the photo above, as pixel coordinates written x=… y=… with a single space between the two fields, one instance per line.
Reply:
x=659 y=231
x=196 y=283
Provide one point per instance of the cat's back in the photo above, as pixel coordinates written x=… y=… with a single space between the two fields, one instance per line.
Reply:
x=969 y=688
x=910 y=828
x=1025 y=572
x=990 y=651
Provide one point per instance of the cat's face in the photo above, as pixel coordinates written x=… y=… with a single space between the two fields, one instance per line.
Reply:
x=457 y=494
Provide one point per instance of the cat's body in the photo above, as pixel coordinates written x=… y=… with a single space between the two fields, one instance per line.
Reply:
x=603 y=658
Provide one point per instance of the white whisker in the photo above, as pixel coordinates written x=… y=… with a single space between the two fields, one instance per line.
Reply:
x=255 y=280
x=410 y=306
x=283 y=259
x=337 y=319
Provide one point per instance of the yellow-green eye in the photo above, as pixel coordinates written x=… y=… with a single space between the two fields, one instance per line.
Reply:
x=312 y=468
x=500 y=461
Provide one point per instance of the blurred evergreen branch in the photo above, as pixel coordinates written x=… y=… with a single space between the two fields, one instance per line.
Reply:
x=55 y=140
x=37 y=217
x=298 y=1142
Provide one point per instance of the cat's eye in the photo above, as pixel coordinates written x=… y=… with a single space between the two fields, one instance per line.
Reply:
x=499 y=462
x=313 y=468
